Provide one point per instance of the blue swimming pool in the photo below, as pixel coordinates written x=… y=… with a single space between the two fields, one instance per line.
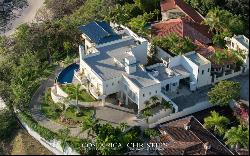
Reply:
x=66 y=76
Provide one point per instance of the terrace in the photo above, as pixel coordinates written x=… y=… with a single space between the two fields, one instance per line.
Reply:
x=197 y=59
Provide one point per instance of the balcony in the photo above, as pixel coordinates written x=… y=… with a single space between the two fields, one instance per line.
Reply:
x=95 y=92
x=80 y=77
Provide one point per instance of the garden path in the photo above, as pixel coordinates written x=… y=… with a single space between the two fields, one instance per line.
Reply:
x=38 y=115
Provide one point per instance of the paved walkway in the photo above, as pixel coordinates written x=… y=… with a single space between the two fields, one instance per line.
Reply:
x=200 y=95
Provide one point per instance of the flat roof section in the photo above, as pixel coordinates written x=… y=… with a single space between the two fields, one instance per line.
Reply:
x=243 y=40
x=141 y=78
x=161 y=73
x=194 y=57
x=104 y=64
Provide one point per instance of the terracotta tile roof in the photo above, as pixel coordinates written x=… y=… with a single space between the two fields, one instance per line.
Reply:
x=205 y=50
x=183 y=28
x=192 y=141
x=187 y=9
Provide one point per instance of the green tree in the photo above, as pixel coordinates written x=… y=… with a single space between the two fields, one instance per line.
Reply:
x=67 y=47
x=174 y=44
x=8 y=124
x=154 y=99
x=237 y=137
x=147 y=103
x=60 y=8
x=223 y=92
x=224 y=24
x=123 y=126
x=138 y=24
x=77 y=87
x=216 y=122
x=151 y=133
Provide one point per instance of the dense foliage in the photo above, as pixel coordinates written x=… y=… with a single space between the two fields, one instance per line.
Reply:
x=224 y=92
x=224 y=24
x=106 y=135
x=216 y=122
x=239 y=9
x=174 y=44
x=237 y=136
x=8 y=124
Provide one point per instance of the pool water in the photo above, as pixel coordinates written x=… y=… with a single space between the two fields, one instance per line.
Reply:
x=66 y=76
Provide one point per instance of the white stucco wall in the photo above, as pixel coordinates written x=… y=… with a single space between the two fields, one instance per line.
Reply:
x=205 y=78
x=237 y=45
x=112 y=86
x=191 y=67
x=132 y=87
x=161 y=53
x=88 y=44
x=148 y=92
x=140 y=52
x=93 y=77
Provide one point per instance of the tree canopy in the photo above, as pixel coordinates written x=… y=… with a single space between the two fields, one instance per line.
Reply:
x=216 y=122
x=223 y=92
x=223 y=24
x=174 y=44
x=237 y=136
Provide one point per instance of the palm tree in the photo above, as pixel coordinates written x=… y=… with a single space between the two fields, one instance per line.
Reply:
x=237 y=136
x=157 y=12
x=216 y=122
x=154 y=99
x=67 y=46
x=213 y=20
x=147 y=103
x=123 y=126
x=66 y=104
x=77 y=87
x=146 y=114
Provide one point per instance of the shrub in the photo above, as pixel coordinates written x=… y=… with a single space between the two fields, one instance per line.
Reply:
x=150 y=133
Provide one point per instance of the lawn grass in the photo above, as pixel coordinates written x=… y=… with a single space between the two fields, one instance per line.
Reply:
x=53 y=111
x=86 y=114
x=50 y=109
x=83 y=95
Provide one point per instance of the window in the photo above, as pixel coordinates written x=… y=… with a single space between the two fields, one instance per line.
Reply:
x=156 y=92
x=149 y=93
x=208 y=70
x=202 y=72
x=112 y=83
x=143 y=95
x=107 y=86
x=118 y=82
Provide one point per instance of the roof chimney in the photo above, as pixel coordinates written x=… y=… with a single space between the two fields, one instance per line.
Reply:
x=207 y=146
x=187 y=126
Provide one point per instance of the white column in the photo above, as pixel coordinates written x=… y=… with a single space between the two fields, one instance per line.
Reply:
x=126 y=102
x=103 y=101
